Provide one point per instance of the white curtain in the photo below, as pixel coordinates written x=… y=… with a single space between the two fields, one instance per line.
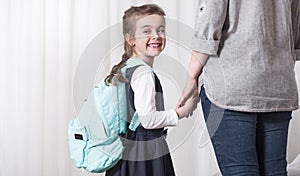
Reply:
x=41 y=42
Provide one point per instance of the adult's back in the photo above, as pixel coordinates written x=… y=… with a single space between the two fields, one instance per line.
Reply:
x=253 y=46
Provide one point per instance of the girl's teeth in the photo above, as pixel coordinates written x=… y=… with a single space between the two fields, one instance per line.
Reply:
x=154 y=45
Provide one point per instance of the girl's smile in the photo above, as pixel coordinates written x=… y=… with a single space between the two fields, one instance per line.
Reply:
x=154 y=45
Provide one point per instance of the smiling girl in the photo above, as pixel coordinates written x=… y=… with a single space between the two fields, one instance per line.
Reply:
x=146 y=152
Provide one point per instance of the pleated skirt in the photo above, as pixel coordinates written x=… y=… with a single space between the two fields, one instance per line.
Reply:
x=146 y=153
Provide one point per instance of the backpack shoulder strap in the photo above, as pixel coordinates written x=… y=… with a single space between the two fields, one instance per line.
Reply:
x=131 y=66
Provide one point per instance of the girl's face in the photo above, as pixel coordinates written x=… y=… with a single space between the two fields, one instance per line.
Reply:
x=150 y=37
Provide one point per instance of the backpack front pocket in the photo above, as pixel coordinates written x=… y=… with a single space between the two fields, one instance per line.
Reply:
x=77 y=136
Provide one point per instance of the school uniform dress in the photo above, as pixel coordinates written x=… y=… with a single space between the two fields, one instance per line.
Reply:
x=146 y=151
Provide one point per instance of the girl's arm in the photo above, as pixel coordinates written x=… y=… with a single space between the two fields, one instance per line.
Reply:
x=143 y=86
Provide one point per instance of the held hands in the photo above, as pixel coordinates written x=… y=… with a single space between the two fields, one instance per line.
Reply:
x=189 y=106
x=190 y=90
x=189 y=99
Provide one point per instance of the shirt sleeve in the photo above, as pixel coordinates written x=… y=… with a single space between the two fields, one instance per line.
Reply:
x=296 y=26
x=210 y=18
x=143 y=87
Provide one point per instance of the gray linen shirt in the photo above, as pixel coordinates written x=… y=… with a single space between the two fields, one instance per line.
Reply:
x=253 y=46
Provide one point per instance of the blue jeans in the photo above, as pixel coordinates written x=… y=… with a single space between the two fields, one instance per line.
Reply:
x=247 y=143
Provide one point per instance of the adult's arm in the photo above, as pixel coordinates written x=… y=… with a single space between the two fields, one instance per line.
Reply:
x=210 y=19
x=296 y=26
x=197 y=62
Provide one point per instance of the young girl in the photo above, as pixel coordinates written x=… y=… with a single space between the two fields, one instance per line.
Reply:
x=146 y=152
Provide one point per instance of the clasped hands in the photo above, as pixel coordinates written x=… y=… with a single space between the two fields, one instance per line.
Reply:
x=189 y=99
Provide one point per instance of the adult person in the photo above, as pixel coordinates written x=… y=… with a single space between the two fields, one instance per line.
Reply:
x=245 y=52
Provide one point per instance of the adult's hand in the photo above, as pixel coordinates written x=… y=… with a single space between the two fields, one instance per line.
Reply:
x=190 y=90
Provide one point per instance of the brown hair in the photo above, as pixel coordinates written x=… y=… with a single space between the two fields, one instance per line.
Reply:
x=130 y=17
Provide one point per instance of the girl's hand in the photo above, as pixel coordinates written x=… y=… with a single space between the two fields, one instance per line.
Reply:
x=189 y=106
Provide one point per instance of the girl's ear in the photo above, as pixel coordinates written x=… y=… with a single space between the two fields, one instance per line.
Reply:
x=129 y=40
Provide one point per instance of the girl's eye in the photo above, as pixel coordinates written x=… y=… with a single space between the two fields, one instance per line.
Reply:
x=146 y=31
x=161 y=30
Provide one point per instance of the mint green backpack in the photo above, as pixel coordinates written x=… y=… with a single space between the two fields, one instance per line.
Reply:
x=94 y=136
